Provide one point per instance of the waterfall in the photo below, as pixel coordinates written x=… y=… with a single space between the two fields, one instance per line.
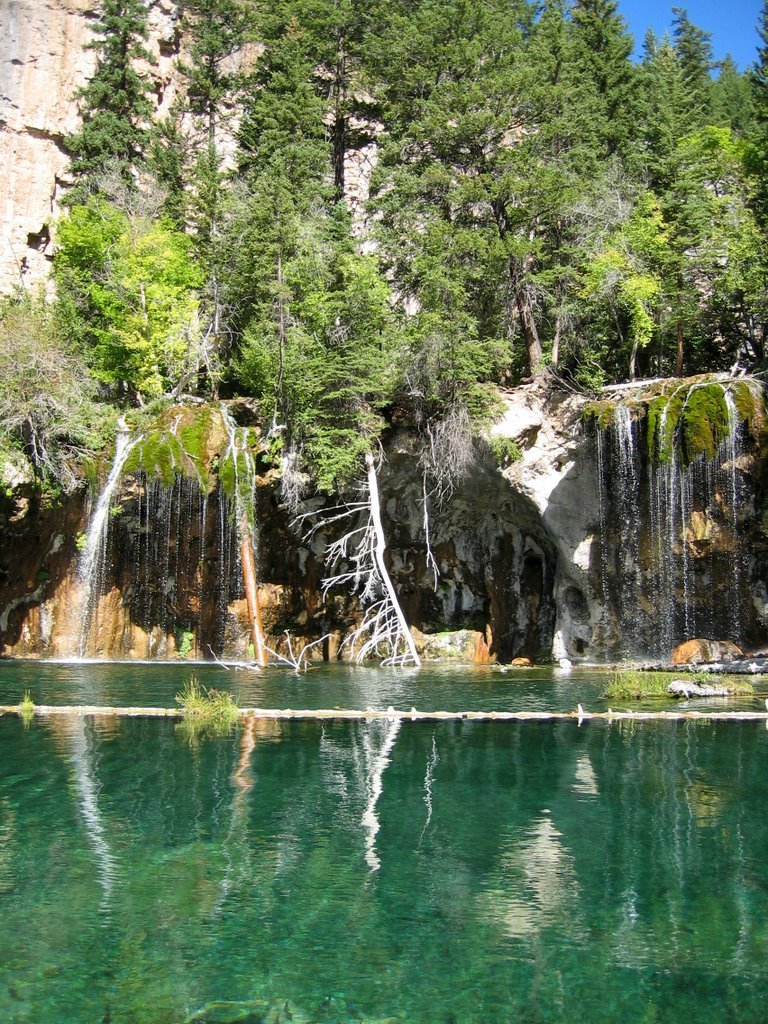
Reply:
x=91 y=566
x=671 y=534
x=625 y=457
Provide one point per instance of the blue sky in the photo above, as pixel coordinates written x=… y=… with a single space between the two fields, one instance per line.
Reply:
x=733 y=23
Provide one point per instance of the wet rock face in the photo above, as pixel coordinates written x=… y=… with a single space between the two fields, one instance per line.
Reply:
x=533 y=559
x=699 y=652
x=172 y=584
x=496 y=564
x=684 y=549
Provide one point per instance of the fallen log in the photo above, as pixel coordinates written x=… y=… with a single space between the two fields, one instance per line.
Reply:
x=390 y=714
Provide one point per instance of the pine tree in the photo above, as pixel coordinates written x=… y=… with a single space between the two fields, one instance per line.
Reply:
x=732 y=98
x=603 y=48
x=115 y=102
x=693 y=47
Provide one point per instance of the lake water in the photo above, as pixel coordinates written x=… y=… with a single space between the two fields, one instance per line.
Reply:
x=424 y=872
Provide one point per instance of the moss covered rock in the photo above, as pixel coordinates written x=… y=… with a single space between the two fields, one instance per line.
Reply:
x=181 y=440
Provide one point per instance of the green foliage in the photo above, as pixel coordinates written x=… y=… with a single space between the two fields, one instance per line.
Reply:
x=505 y=450
x=26 y=708
x=184 y=643
x=47 y=400
x=128 y=288
x=538 y=200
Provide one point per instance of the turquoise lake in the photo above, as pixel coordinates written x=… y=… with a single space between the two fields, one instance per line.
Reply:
x=445 y=873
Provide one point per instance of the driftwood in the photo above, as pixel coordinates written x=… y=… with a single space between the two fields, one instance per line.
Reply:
x=252 y=594
x=685 y=688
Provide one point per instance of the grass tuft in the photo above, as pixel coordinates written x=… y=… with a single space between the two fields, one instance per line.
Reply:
x=633 y=684
x=27 y=708
x=209 y=707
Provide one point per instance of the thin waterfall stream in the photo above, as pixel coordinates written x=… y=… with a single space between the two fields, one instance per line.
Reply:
x=91 y=567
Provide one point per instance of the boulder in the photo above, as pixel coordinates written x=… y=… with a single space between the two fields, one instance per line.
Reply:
x=699 y=652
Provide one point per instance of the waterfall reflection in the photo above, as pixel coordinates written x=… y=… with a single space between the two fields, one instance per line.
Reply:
x=84 y=761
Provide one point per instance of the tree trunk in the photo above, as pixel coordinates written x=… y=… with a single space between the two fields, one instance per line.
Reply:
x=252 y=594
x=679 y=366
x=525 y=314
x=378 y=554
x=340 y=122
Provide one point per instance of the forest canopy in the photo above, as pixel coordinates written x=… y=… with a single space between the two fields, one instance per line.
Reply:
x=397 y=208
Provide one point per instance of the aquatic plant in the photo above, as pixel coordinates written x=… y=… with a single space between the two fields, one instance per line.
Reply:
x=26 y=708
x=636 y=684
x=185 y=638
x=212 y=707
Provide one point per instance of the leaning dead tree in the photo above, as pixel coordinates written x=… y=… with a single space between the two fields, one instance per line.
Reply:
x=357 y=561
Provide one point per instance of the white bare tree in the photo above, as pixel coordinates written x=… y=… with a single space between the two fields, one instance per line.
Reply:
x=356 y=560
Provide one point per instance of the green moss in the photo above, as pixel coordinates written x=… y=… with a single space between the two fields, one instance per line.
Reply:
x=159 y=455
x=177 y=441
x=663 y=416
x=194 y=434
x=704 y=422
x=601 y=413
x=227 y=477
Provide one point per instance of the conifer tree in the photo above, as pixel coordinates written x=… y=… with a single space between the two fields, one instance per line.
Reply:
x=694 y=51
x=732 y=98
x=217 y=29
x=603 y=48
x=115 y=102
x=758 y=155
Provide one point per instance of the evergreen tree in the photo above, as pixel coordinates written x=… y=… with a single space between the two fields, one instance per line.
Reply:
x=663 y=108
x=603 y=48
x=693 y=47
x=731 y=98
x=758 y=155
x=216 y=30
x=115 y=102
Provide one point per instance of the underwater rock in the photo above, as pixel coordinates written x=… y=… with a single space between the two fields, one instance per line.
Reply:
x=700 y=651
x=683 y=688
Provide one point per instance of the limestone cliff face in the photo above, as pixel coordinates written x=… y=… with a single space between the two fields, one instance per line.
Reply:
x=44 y=60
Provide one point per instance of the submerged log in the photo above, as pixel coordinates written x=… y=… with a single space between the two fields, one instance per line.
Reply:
x=391 y=715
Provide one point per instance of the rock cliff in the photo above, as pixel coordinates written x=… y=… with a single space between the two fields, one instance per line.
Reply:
x=44 y=60
x=513 y=548
x=588 y=545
